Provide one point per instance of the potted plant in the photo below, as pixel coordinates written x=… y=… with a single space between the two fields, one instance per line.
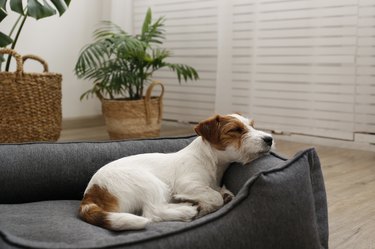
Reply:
x=121 y=66
x=30 y=102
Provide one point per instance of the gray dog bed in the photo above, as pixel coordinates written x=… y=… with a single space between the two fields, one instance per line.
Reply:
x=279 y=203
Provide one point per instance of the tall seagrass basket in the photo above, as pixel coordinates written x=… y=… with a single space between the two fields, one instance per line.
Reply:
x=30 y=103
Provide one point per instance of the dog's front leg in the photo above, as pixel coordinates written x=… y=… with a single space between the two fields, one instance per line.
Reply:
x=207 y=199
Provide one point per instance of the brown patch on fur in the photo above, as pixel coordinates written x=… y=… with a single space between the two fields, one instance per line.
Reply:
x=221 y=131
x=227 y=198
x=95 y=205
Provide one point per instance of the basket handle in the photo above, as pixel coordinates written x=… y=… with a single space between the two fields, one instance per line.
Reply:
x=19 y=68
x=37 y=58
x=148 y=98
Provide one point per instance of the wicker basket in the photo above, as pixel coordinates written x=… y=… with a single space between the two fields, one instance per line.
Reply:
x=30 y=103
x=134 y=118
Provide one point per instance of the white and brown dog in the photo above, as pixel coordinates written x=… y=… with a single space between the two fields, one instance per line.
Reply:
x=133 y=191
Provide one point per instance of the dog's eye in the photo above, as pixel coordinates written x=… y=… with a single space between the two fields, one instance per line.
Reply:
x=237 y=129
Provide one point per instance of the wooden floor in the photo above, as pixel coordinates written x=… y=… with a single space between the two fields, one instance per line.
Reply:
x=349 y=178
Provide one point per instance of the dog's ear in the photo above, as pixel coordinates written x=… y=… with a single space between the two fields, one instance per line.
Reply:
x=209 y=129
x=252 y=122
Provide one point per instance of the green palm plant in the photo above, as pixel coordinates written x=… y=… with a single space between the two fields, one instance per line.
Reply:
x=121 y=64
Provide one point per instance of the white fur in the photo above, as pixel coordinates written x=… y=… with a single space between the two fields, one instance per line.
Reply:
x=146 y=184
x=126 y=221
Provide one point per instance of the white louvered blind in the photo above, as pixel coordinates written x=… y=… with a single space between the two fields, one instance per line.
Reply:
x=298 y=66
x=365 y=90
x=304 y=66
x=243 y=25
x=191 y=28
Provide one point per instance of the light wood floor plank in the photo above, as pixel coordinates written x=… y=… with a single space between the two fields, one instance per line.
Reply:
x=350 y=184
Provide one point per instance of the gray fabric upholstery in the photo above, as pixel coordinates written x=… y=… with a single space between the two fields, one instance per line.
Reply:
x=56 y=171
x=279 y=203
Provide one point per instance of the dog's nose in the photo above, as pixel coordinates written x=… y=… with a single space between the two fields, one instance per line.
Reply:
x=268 y=140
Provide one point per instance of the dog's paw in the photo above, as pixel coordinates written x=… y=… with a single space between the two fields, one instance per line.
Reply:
x=204 y=209
x=188 y=212
x=226 y=194
x=227 y=197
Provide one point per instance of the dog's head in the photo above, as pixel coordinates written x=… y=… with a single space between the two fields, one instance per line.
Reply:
x=236 y=135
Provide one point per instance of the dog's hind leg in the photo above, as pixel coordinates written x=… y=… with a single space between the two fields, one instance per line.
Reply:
x=170 y=212
x=156 y=206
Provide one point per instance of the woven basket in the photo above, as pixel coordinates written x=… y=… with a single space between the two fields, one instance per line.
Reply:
x=134 y=118
x=30 y=103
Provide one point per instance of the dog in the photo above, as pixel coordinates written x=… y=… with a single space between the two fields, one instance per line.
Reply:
x=131 y=192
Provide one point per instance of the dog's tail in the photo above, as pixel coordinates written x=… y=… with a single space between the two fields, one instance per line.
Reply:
x=99 y=207
x=95 y=215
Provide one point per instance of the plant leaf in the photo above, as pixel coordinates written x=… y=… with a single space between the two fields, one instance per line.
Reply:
x=16 y=5
x=38 y=11
x=152 y=33
x=4 y=40
x=3 y=13
x=147 y=22
x=3 y=4
x=183 y=71
x=60 y=5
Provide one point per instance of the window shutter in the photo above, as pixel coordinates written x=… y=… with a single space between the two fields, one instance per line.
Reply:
x=191 y=35
x=304 y=66
x=242 y=55
x=365 y=89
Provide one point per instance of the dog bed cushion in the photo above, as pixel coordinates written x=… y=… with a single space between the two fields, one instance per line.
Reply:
x=279 y=203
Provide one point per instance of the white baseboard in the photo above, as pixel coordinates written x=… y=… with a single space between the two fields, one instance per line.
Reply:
x=355 y=145
x=83 y=122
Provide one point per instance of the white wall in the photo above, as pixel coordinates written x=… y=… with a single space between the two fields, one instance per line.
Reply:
x=121 y=13
x=58 y=40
